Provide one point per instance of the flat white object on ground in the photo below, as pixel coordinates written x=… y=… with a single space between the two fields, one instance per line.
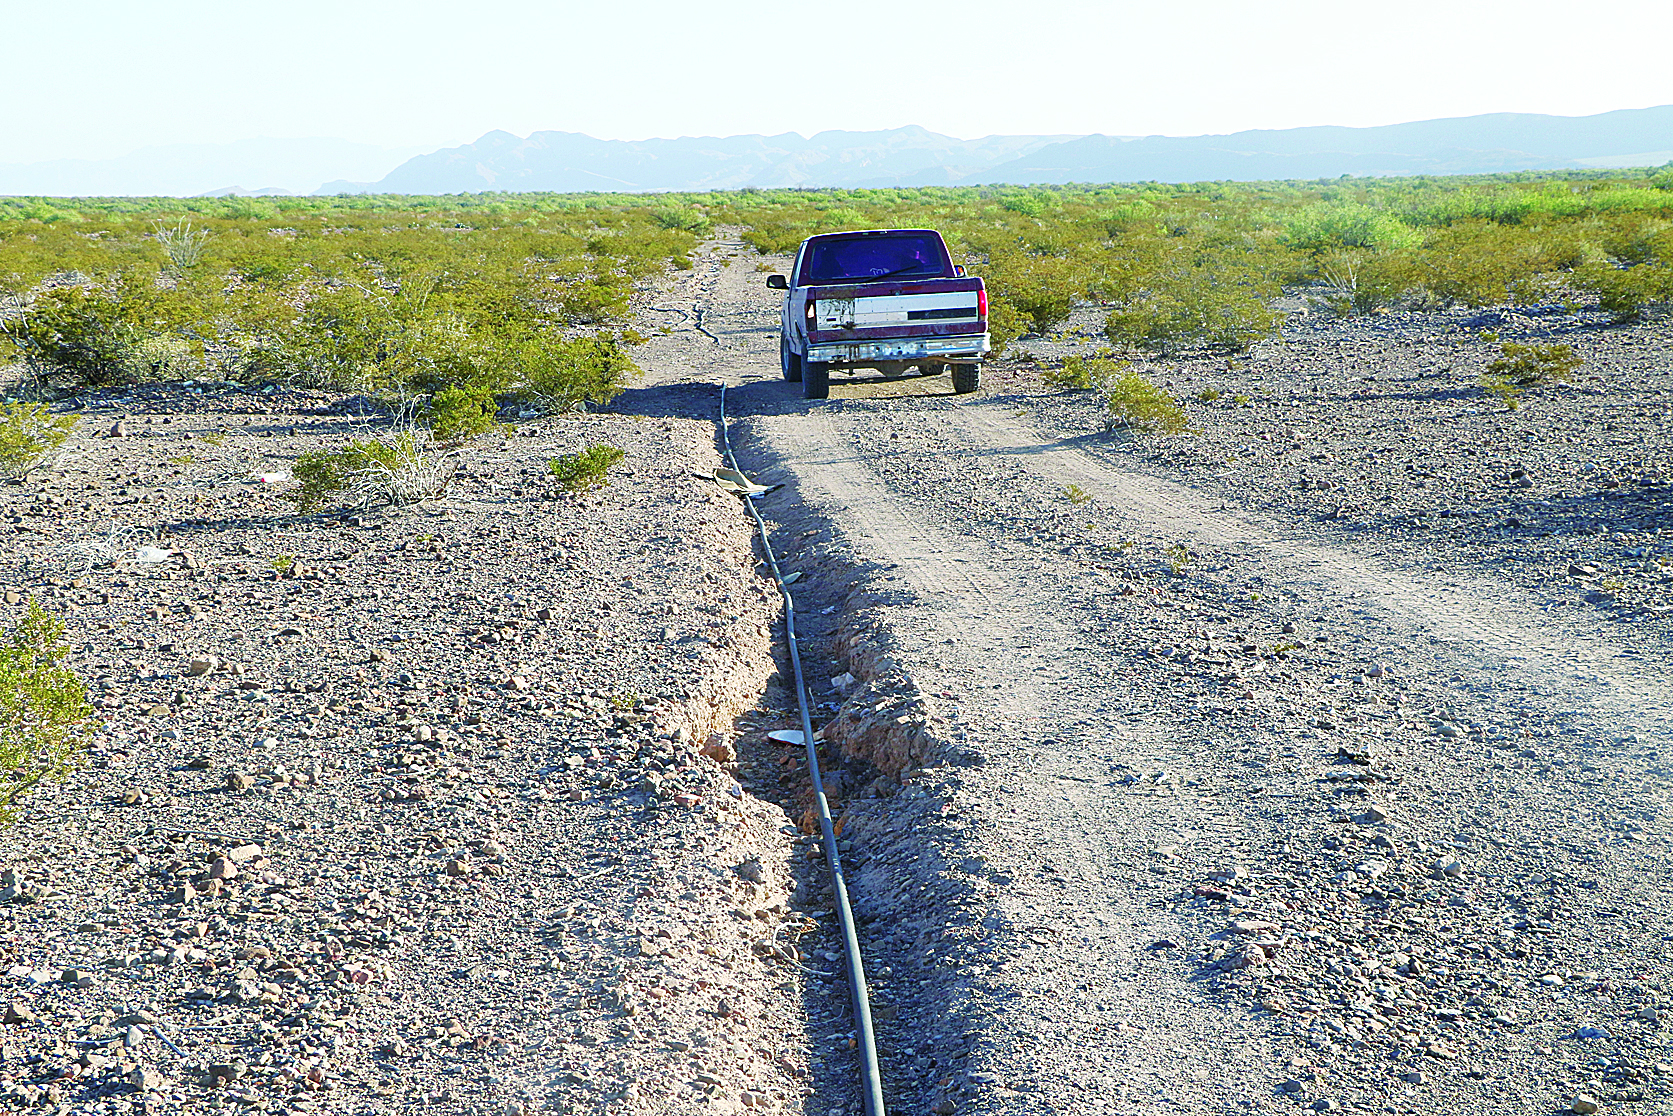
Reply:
x=733 y=481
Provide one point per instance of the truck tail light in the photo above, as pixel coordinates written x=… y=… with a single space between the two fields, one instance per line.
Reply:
x=811 y=311
x=982 y=303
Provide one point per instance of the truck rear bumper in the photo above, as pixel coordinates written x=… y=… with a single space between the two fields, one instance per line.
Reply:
x=967 y=348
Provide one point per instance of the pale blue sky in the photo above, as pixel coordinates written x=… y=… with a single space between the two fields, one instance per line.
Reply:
x=98 y=78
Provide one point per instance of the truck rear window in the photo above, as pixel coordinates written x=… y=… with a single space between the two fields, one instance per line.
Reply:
x=867 y=259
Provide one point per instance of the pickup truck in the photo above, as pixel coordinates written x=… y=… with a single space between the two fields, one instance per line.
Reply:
x=888 y=299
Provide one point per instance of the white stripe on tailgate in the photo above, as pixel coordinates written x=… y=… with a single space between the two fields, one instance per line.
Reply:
x=891 y=304
x=890 y=309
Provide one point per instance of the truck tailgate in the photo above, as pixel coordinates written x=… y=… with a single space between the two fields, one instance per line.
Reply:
x=935 y=308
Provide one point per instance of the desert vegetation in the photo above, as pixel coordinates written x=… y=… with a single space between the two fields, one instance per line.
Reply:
x=404 y=297
x=29 y=433
x=527 y=294
x=43 y=707
x=1199 y=264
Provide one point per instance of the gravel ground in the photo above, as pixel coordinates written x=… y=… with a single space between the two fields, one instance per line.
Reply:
x=1176 y=784
x=1379 y=427
x=396 y=810
x=1165 y=781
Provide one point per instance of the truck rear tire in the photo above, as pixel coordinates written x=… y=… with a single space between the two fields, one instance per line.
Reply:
x=966 y=378
x=789 y=360
x=816 y=379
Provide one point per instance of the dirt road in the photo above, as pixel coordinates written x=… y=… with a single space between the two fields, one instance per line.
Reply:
x=1231 y=813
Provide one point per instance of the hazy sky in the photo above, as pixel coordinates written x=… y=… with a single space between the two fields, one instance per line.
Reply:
x=98 y=78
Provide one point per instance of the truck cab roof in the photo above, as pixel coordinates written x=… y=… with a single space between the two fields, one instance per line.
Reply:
x=873 y=256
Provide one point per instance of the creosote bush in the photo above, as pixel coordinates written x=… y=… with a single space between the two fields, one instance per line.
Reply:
x=1536 y=365
x=44 y=710
x=396 y=469
x=457 y=412
x=1520 y=367
x=1133 y=403
x=28 y=433
x=396 y=295
x=581 y=472
x=1079 y=373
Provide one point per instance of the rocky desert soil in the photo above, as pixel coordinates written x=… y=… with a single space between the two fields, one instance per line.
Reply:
x=396 y=810
x=1312 y=761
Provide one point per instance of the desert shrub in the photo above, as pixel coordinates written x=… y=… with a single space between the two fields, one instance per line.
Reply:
x=1195 y=305
x=1041 y=289
x=1005 y=324
x=580 y=472
x=1029 y=203
x=682 y=217
x=44 y=709
x=397 y=295
x=397 y=469
x=1626 y=291
x=1528 y=366
x=182 y=243
x=561 y=375
x=28 y=433
x=87 y=334
x=1079 y=373
x=595 y=300
x=457 y=412
x=1477 y=263
x=1358 y=281
x=1330 y=225
x=1131 y=402
x=1124 y=216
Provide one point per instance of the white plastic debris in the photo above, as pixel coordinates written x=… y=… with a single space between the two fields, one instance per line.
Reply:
x=270 y=478
x=152 y=554
x=730 y=480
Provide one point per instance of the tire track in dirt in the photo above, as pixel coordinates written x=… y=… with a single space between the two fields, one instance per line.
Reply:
x=1076 y=985
x=1475 y=614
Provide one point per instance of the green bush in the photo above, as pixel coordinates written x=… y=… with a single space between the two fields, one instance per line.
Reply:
x=1041 y=289
x=1359 y=281
x=1530 y=366
x=1330 y=225
x=1626 y=291
x=384 y=295
x=1134 y=403
x=561 y=375
x=28 y=433
x=44 y=711
x=456 y=412
x=683 y=217
x=1199 y=305
x=397 y=469
x=1084 y=373
x=1005 y=324
x=580 y=472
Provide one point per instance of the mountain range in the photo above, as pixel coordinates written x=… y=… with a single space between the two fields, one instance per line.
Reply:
x=250 y=166
x=910 y=156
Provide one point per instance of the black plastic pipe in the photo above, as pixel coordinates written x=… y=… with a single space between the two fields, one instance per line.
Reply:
x=871 y=1078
